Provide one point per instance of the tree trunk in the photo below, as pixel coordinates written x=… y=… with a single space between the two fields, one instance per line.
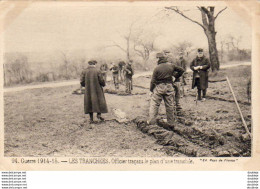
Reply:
x=213 y=52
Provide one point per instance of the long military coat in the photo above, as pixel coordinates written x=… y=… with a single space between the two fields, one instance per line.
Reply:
x=203 y=73
x=94 y=99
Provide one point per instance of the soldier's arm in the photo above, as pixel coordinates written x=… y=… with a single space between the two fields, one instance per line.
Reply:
x=82 y=79
x=132 y=69
x=177 y=71
x=101 y=80
x=206 y=66
x=153 y=81
x=192 y=65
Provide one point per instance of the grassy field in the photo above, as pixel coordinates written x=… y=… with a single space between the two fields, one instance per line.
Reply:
x=51 y=121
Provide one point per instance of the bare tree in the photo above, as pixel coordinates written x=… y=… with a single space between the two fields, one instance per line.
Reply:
x=143 y=44
x=127 y=37
x=184 y=47
x=208 y=26
x=65 y=64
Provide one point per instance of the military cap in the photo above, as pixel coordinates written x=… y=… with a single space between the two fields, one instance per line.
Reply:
x=166 y=51
x=92 y=62
x=160 y=55
x=200 y=50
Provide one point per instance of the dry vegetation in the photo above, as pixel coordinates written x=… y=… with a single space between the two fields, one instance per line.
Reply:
x=50 y=121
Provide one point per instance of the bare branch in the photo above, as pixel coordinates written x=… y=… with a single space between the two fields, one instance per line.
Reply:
x=204 y=19
x=138 y=51
x=181 y=13
x=220 y=12
x=204 y=9
x=116 y=45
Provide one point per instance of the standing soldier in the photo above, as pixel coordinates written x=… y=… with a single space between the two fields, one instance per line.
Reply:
x=121 y=66
x=200 y=66
x=162 y=88
x=94 y=99
x=103 y=70
x=129 y=72
x=176 y=84
x=182 y=63
x=115 y=71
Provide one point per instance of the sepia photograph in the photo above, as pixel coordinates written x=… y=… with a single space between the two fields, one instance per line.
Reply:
x=126 y=79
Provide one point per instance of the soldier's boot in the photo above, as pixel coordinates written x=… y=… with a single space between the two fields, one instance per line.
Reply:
x=199 y=94
x=99 y=117
x=204 y=94
x=91 y=118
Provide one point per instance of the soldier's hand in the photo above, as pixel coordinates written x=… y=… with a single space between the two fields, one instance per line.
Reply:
x=151 y=93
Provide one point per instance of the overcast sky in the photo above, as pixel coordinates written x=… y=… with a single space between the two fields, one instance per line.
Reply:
x=74 y=26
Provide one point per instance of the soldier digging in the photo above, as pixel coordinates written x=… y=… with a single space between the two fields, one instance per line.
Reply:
x=94 y=99
x=161 y=88
x=200 y=66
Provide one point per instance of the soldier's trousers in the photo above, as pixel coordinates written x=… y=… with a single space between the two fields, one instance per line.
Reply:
x=128 y=85
x=115 y=79
x=163 y=91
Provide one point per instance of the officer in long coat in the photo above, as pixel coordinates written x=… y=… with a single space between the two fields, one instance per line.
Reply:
x=200 y=66
x=94 y=99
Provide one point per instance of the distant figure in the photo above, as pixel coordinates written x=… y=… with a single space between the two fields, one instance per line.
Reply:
x=129 y=72
x=115 y=71
x=121 y=66
x=162 y=88
x=200 y=66
x=181 y=62
x=103 y=70
x=249 y=90
x=94 y=99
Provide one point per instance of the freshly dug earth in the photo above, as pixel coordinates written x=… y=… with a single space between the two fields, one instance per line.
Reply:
x=51 y=122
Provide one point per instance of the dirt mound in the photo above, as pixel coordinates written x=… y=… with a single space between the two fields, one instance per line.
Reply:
x=122 y=93
x=192 y=141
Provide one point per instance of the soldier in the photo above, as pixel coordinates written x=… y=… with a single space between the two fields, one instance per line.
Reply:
x=115 y=70
x=94 y=99
x=162 y=88
x=129 y=72
x=182 y=63
x=103 y=70
x=121 y=66
x=176 y=84
x=200 y=66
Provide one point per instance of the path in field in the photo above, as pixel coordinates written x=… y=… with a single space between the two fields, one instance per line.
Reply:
x=74 y=82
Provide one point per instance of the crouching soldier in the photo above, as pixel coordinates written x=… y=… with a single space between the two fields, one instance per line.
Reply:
x=200 y=66
x=161 y=88
x=129 y=72
x=94 y=99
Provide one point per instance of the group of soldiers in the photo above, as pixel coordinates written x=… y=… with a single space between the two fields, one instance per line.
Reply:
x=121 y=72
x=168 y=79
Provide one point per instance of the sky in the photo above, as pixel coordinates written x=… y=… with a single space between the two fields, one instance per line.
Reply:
x=66 y=27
